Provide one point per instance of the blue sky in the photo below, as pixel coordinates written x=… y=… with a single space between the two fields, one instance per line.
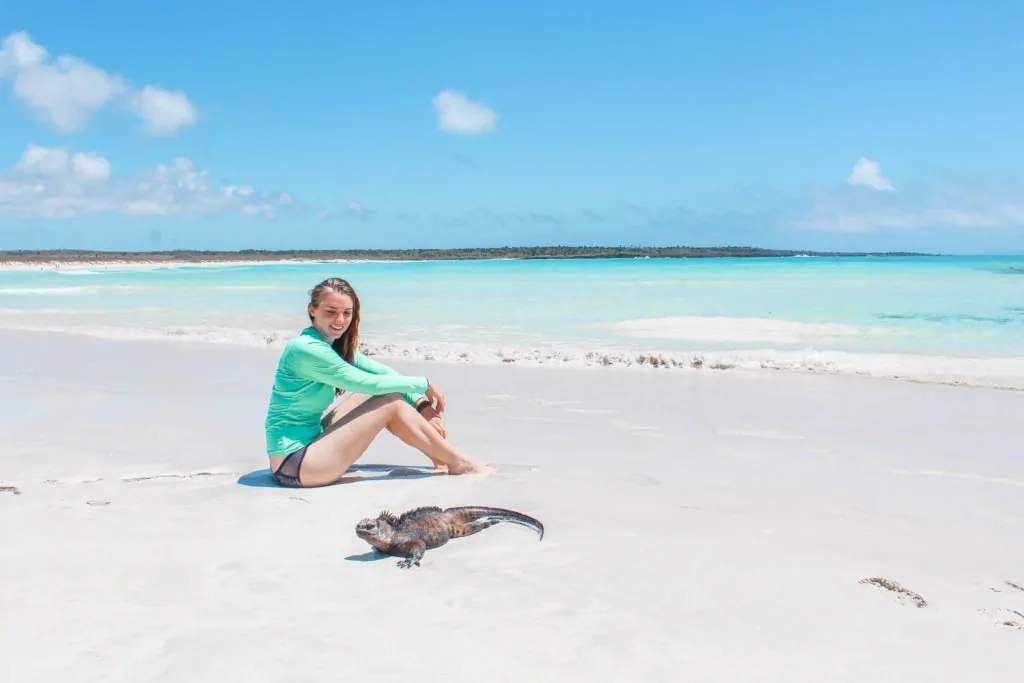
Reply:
x=865 y=125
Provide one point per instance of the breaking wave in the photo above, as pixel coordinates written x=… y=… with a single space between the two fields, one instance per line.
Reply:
x=1004 y=372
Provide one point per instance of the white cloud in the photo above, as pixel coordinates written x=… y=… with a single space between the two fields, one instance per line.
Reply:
x=55 y=161
x=457 y=113
x=239 y=191
x=49 y=182
x=355 y=207
x=66 y=91
x=91 y=167
x=868 y=173
x=43 y=160
x=163 y=111
x=19 y=52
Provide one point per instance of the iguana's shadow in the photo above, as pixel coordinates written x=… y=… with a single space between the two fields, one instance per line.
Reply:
x=372 y=556
x=263 y=479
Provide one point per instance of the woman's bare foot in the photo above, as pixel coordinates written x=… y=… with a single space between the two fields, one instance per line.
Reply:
x=467 y=466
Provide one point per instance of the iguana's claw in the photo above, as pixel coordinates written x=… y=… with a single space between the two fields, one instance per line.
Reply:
x=406 y=564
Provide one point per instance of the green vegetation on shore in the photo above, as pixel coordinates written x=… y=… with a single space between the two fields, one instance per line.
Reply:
x=552 y=252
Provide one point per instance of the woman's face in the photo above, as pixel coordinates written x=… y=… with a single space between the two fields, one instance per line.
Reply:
x=332 y=317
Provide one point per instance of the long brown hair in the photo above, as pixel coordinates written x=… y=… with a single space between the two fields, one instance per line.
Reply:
x=348 y=342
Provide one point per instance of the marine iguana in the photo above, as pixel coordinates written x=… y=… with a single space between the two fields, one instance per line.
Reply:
x=414 y=532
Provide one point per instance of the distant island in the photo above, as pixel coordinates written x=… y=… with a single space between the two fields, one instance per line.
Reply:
x=185 y=256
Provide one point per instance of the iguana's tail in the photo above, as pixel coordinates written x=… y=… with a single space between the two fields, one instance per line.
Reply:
x=469 y=513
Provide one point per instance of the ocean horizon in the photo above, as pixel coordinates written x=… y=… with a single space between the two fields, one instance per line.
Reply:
x=954 y=319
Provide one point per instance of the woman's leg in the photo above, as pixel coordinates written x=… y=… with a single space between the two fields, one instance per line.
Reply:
x=409 y=426
x=348 y=437
x=396 y=427
x=350 y=403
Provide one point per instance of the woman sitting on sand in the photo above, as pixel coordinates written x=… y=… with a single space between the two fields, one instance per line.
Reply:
x=307 y=451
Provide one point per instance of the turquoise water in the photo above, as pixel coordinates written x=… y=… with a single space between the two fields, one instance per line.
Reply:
x=561 y=310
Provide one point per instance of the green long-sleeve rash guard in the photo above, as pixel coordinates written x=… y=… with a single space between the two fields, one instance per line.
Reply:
x=307 y=374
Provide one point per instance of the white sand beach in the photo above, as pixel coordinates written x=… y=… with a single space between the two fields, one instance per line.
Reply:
x=706 y=526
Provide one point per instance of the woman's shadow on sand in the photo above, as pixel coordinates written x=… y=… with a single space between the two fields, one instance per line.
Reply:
x=263 y=479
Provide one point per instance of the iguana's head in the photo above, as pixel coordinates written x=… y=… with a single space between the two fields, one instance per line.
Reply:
x=377 y=529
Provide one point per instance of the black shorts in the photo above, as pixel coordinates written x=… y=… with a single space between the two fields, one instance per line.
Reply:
x=288 y=473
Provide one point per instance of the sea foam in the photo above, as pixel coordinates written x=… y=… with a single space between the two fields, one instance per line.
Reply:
x=1003 y=372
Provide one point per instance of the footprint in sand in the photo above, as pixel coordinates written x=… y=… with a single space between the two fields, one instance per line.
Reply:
x=97 y=503
x=1005 y=616
x=148 y=477
x=1008 y=587
x=73 y=480
x=10 y=489
x=904 y=595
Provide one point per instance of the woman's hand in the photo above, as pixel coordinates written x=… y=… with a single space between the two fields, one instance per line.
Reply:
x=437 y=424
x=435 y=396
x=431 y=416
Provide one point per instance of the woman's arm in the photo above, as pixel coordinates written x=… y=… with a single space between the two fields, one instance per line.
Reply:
x=321 y=363
x=367 y=364
x=418 y=400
